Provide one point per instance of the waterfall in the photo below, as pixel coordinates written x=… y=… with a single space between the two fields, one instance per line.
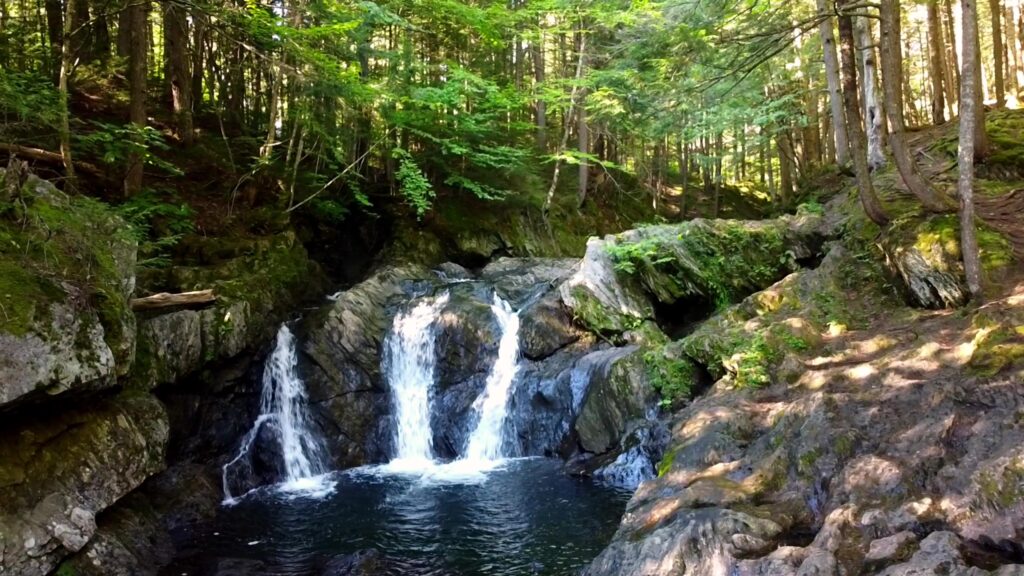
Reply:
x=283 y=409
x=409 y=362
x=409 y=365
x=486 y=441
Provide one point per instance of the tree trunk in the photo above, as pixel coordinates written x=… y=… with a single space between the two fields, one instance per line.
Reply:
x=966 y=155
x=872 y=207
x=981 y=143
x=580 y=63
x=62 y=89
x=996 y=10
x=199 y=32
x=78 y=30
x=124 y=30
x=55 y=34
x=873 y=121
x=936 y=64
x=811 y=136
x=786 y=178
x=835 y=97
x=892 y=70
x=165 y=300
x=540 y=110
x=179 y=77
x=101 y=37
x=583 y=143
x=138 y=59
x=951 y=55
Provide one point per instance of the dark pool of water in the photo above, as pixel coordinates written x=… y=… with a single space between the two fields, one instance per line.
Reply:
x=528 y=518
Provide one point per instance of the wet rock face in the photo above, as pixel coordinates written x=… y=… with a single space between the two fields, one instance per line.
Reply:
x=53 y=470
x=340 y=361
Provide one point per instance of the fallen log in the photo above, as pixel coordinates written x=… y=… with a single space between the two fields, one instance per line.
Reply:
x=166 y=300
x=47 y=156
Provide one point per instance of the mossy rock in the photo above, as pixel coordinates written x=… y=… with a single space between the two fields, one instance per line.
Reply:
x=66 y=276
x=719 y=261
x=923 y=251
x=998 y=343
x=255 y=292
x=749 y=341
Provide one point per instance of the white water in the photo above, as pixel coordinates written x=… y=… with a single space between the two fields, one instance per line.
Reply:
x=409 y=362
x=410 y=365
x=283 y=408
x=486 y=443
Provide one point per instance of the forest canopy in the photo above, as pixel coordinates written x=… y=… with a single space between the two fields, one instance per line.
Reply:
x=335 y=105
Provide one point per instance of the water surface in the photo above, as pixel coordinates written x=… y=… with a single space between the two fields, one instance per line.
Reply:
x=526 y=517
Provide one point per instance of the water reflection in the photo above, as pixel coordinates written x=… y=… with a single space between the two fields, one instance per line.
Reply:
x=527 y=518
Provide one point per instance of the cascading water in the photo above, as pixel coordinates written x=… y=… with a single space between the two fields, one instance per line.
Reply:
x=409 y=365
x=409 y=362
x=283 y=409
x=486 y=443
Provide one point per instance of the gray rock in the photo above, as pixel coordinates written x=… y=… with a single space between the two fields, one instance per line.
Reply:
x=891 y=549
x=61 y=470
x=939 y=554
x=690 y=542
x=599 y=297
x=518 y=280
x=619 y=393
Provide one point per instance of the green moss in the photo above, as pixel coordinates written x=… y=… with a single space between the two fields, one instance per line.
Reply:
x=665 y=464
x=844 y=445
x=805 y=464
x=1004 y=489
x=58 y=242
x=721 y=261
x=671 y=373
x=596 y=316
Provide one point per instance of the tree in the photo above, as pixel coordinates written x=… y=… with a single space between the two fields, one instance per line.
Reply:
x=835 y=98
x=873 y=116
x=892 y=71
x=937 y=64
x=865 y=189
x=966 y=153
x=996 y=10
x=179 y=77
x=137 y=66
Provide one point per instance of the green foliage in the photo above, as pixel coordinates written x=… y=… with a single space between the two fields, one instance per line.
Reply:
x=415 y=187
x=115 y=144
x=811 y=206
x=670 y=373
x=722 y=261
x=158 y=224
x=27 y=100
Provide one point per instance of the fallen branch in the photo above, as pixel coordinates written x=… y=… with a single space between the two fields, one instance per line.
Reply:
x=47 y=156
x=165 y=300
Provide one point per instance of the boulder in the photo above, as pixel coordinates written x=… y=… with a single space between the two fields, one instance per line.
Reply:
x=349 y=333
x=133 y=537
x=923 y=253
x=256 y=292
x=716 y=262
x=519 y=280
x=66 y=273
x=599 y=297
x=61 y=469
x=545 y=327
x=340 y=361
x=618 y=394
